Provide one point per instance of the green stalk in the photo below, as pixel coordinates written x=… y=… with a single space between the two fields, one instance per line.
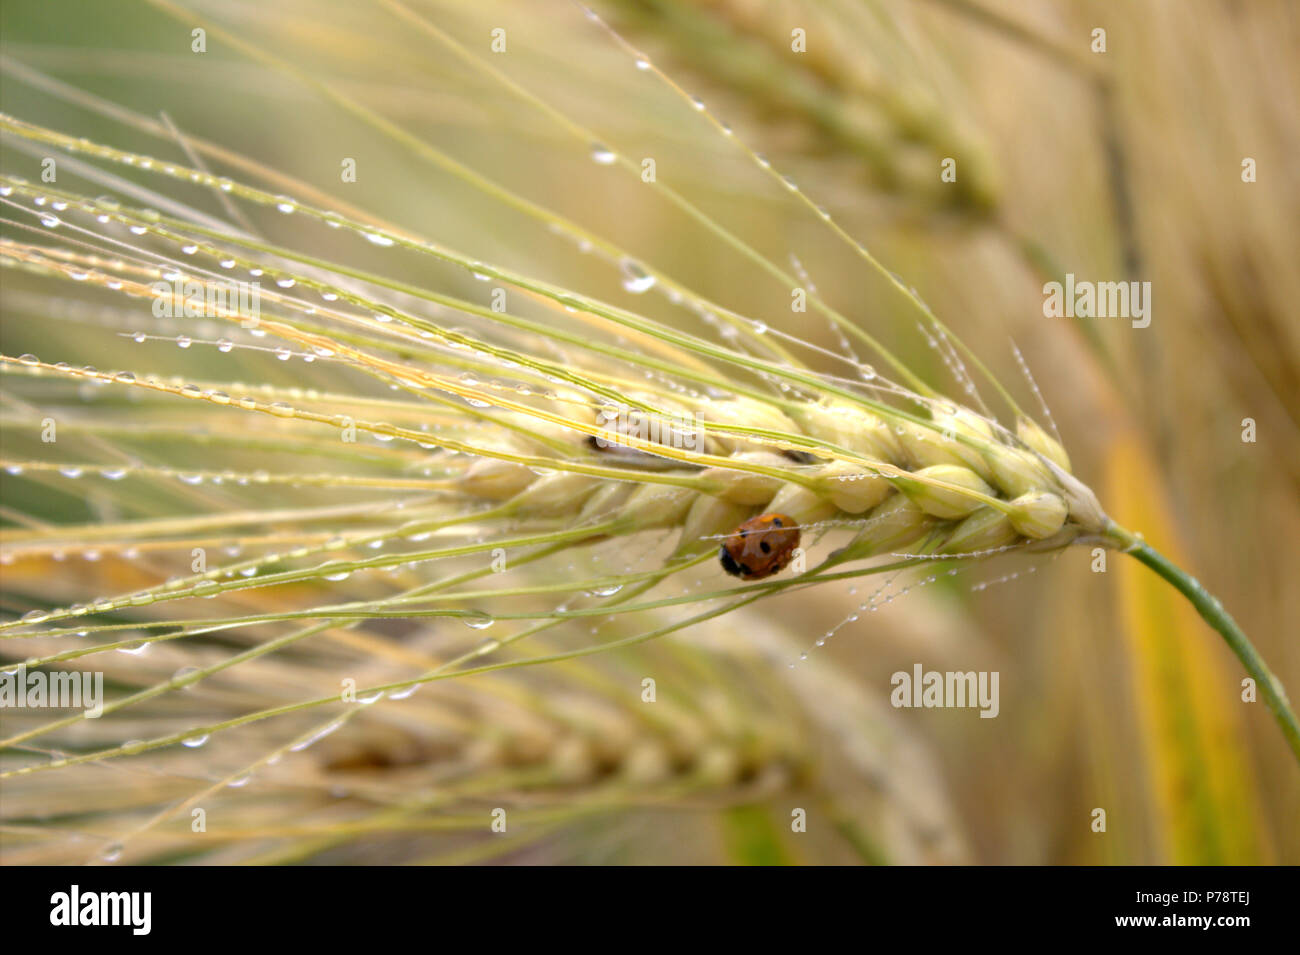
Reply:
x=1213 y=612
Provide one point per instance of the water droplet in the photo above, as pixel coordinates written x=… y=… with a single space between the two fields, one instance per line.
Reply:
x=377 y=239
x=224 y=345
x=635 y=279
x=338 y=575
x=480 y=622
x=320 y=734
x=111 y=852
x=603 y=155
x=194 y=742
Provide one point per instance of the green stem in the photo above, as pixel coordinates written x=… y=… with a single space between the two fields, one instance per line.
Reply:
x=1213 y=612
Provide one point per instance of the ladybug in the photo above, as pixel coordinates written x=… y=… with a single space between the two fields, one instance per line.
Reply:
x=760 y=547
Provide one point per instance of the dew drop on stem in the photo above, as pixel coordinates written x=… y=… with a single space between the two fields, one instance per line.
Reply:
x=635 y=278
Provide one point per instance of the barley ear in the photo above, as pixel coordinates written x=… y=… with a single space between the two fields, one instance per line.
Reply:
x=709 y=519
x=986 y=529
x=804 y=505
x=747 y=487
x=894 y=525
x=944 y=490
x=1039 y=440
x=1038 y=515
x=853 y=489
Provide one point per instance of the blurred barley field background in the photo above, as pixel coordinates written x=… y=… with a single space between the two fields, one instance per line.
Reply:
x=1122 y=165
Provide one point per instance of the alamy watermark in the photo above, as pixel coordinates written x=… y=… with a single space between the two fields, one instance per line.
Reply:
x=1084 y=299
x=681 y=431
x=60 y=689
x=74 y=907
x=932 y=688
x=181 y=299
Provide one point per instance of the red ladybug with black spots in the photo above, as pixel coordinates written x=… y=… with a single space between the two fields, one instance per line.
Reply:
x=760 y=547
